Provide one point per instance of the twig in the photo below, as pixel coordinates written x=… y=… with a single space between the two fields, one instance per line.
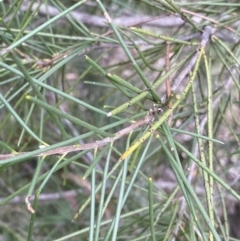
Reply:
x=46 y=197
x=93 y=145
x=125 y=20
x=98 y=21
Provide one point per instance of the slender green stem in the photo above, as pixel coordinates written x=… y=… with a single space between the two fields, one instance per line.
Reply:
x=151 y=215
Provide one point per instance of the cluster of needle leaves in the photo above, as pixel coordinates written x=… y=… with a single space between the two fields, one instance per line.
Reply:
x=164 y=75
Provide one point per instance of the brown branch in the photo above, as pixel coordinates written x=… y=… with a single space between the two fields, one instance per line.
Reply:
x=126 y=19
x=99 y=21
x=93 y=145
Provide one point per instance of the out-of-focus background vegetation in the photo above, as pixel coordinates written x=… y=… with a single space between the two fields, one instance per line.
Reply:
x=67 y=64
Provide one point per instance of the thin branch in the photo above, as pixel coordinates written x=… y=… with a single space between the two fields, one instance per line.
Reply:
x=98 y=21
x=93 y=145
x=127 y=20
x=46 y=196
